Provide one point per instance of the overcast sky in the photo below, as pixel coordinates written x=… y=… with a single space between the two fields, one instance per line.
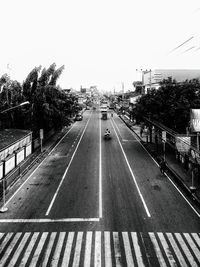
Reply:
x=100 y=42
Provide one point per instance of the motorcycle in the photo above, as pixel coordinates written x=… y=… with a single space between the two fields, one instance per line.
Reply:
x=107 y=136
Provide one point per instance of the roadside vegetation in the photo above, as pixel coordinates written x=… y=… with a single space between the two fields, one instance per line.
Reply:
x=170 y=104
x=49 y=107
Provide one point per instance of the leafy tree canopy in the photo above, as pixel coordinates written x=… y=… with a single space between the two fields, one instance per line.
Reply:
x=171 y=103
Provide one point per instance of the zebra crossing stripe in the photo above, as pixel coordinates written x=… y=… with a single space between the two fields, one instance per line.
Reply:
x=78 y=249
x=137 y=249
x=186 y=250
x=193 y=246
x=38 y=250
x=176 y=249
x=19 y=249
x=108 y=258
x=1 y=235
x=5 y=241
x=127 y=247
x=56 y=255
x=48 y=249
x=167 y=250
x=29 y=249
x=117 y=249
x=67 y=252
x=9 y=249
x=157 y=250
x=98 y=249
x=88 y=248
x=97 y=255
x=196 y=238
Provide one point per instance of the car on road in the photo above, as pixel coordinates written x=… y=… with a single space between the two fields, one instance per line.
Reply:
x=78 y=117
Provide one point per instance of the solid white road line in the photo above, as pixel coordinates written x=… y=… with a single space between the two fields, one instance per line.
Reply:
x=33 y=172
x=136 y=137
x=133 y=176
x=197 y=213
x=61 y=140
x=100 y=172
x=63 y=177
x=49 y=220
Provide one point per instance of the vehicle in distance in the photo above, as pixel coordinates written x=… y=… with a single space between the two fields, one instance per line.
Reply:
x=78 y=117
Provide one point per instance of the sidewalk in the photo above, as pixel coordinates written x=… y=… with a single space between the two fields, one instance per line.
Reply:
x=174 y=168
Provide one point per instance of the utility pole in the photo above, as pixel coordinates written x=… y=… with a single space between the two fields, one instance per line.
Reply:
x=150 y=78
x=122 y=91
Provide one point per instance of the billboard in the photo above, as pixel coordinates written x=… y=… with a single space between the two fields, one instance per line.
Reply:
x=195 y=120
x=183 y=143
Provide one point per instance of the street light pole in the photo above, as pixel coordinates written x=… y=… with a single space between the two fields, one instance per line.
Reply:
x=8 y=109
x=3 y=208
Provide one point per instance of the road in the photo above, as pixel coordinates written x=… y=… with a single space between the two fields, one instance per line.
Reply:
x=93 y=202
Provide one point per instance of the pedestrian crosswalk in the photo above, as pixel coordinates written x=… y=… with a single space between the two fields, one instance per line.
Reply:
x=97 y=248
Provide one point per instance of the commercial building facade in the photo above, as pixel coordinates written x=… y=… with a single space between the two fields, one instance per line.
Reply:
x=152 y=78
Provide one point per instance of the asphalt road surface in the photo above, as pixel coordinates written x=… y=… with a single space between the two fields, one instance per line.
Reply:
x=95 y=202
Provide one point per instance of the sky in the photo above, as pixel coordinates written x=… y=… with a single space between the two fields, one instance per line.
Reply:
x=100 y=42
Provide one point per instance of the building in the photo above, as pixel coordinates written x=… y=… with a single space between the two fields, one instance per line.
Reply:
x=152 y=78
x=15 y=147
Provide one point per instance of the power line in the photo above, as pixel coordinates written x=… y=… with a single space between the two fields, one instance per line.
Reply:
x=188 y=49
x=182 y=44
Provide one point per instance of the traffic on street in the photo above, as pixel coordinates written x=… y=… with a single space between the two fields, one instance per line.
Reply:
x=99 y=202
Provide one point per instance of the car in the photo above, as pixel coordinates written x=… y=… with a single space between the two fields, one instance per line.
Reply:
x=78 y=117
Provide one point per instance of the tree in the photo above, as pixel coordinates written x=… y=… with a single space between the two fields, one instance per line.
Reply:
x=49 y=105
x=171 y=103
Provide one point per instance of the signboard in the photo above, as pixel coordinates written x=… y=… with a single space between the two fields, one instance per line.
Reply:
x=195 y=120
x=164 y=138
x=9 y=164
x=183 y=143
